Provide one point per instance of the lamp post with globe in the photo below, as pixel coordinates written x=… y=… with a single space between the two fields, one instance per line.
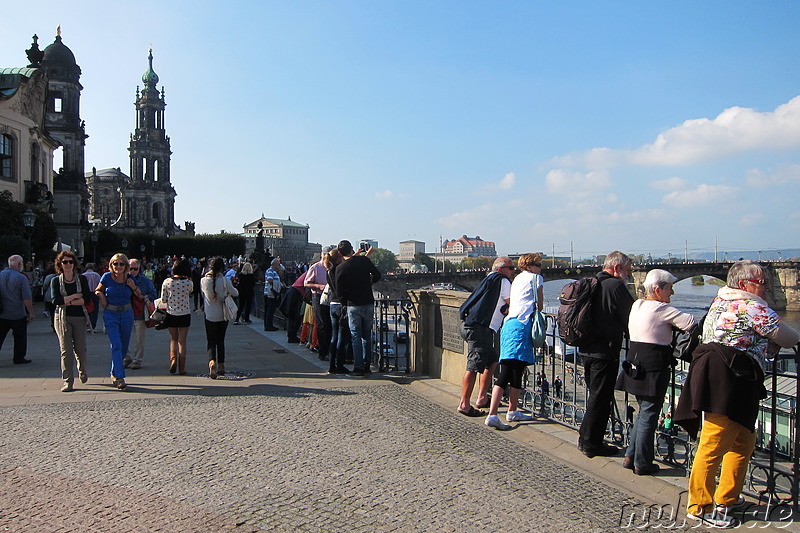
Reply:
x=28 y=220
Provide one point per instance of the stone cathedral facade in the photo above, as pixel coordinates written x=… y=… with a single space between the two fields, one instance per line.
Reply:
x=144 y=200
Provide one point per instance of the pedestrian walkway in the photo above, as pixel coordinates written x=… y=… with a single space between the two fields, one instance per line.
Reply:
x=285 y=447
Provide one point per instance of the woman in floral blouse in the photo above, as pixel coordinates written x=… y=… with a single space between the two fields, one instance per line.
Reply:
x=176 y=292
x=725 y=382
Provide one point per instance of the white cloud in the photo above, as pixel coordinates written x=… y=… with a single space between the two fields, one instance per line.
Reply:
x=648 y=216
x=751 y=219
x=735 y=130
x=469 y=218
x=779 y=176
x=701 y=195
x=577 y=183
x=389 y=194
x=670 y=184
x=508 y=181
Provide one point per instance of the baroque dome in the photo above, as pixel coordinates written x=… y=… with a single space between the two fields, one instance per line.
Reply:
x=59 y=54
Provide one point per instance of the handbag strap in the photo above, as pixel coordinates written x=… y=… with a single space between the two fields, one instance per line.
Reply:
x=535 y=287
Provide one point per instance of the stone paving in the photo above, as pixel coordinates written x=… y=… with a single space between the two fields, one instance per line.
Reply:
x=291 y=449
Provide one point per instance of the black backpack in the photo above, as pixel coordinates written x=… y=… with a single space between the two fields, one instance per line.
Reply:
x=575 y=324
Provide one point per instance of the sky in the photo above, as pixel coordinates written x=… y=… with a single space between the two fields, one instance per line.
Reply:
x=576 y=127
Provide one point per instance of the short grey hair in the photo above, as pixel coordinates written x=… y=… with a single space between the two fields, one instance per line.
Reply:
x=744 y=270
x=14 y=259
x=616 y=258
x=274 y=262
x=500 y=262
x=657 y=278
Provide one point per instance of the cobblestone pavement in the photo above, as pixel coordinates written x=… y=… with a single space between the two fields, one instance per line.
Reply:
x=289 y=449
x=282 y=458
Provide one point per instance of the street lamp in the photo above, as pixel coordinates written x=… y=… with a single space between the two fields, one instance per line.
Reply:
x=28 y=220
x=124 y=243
x=153 y=249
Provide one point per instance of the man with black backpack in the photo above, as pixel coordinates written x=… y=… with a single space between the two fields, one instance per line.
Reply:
x=611 y=305
x=482 y=315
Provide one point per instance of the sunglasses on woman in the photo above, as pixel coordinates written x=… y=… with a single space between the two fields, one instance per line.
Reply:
x=120 y=264
x=67 y=262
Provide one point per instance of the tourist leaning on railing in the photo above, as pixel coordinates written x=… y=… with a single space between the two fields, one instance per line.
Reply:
x=725 y=384
x=646 y=370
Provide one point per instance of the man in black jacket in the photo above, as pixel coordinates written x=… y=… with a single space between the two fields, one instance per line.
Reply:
x=481 y=319
x=353 y=282
x=611 y=306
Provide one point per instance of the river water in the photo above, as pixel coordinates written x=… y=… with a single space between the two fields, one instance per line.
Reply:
x=694 y=299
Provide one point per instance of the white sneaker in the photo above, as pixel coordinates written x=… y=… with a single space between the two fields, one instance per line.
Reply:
x=721 y=517
x=518 y=416
x=493 y=421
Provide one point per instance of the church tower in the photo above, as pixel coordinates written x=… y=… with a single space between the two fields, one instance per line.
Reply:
x=148 y=201
x=63 y=123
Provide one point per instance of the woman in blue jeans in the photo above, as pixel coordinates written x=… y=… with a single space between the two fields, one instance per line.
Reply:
x=115 y=291
x=339 y=339
x=646 y=371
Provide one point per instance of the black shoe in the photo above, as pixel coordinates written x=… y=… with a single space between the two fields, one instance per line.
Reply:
x=293 y=340
x=323 y=357
x=270 y=328
x=342 y=371
x=604 y=450
x=22 y=362
x=358 y=372
x=331 y=371
x=648 y=470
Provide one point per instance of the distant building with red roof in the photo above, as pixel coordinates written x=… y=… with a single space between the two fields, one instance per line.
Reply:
x=469 y=247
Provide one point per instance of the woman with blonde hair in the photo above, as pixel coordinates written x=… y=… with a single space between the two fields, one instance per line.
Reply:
x=69 y=293
x=114 y=292
x=516 y=345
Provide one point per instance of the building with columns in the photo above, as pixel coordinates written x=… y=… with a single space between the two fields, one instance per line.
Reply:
x=26 y=150
x=286 y=239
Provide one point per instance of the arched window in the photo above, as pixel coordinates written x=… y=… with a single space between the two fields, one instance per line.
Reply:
x=156 y=211
x=6 y=157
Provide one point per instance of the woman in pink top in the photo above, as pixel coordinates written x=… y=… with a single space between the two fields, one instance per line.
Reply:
x=646 y=371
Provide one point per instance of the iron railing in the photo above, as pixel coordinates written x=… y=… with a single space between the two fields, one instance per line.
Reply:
x=774 y=470
x=391 y=332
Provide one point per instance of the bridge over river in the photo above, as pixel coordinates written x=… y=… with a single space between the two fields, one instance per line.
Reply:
x=784 y=293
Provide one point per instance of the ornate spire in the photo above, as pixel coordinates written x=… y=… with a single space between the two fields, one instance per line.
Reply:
x=150 y=78
x=35 y=55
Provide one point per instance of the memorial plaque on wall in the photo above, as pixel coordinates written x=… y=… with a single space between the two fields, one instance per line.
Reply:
x=446 y=330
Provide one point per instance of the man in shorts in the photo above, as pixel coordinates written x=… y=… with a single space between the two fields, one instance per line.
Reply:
x=482 y=316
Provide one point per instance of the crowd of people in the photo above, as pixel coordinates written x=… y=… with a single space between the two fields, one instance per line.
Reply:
x=720 y=397
x=131 y=294
x=721 y=394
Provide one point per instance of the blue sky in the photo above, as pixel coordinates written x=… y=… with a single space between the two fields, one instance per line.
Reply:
x=646 y=127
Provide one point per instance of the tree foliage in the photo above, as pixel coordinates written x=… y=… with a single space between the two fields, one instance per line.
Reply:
x=385 y=260
x=205 y=245
x=14 y=239
x=478 y=263
x=424 y=259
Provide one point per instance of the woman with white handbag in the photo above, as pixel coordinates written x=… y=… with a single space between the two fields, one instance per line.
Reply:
x=218 y=292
